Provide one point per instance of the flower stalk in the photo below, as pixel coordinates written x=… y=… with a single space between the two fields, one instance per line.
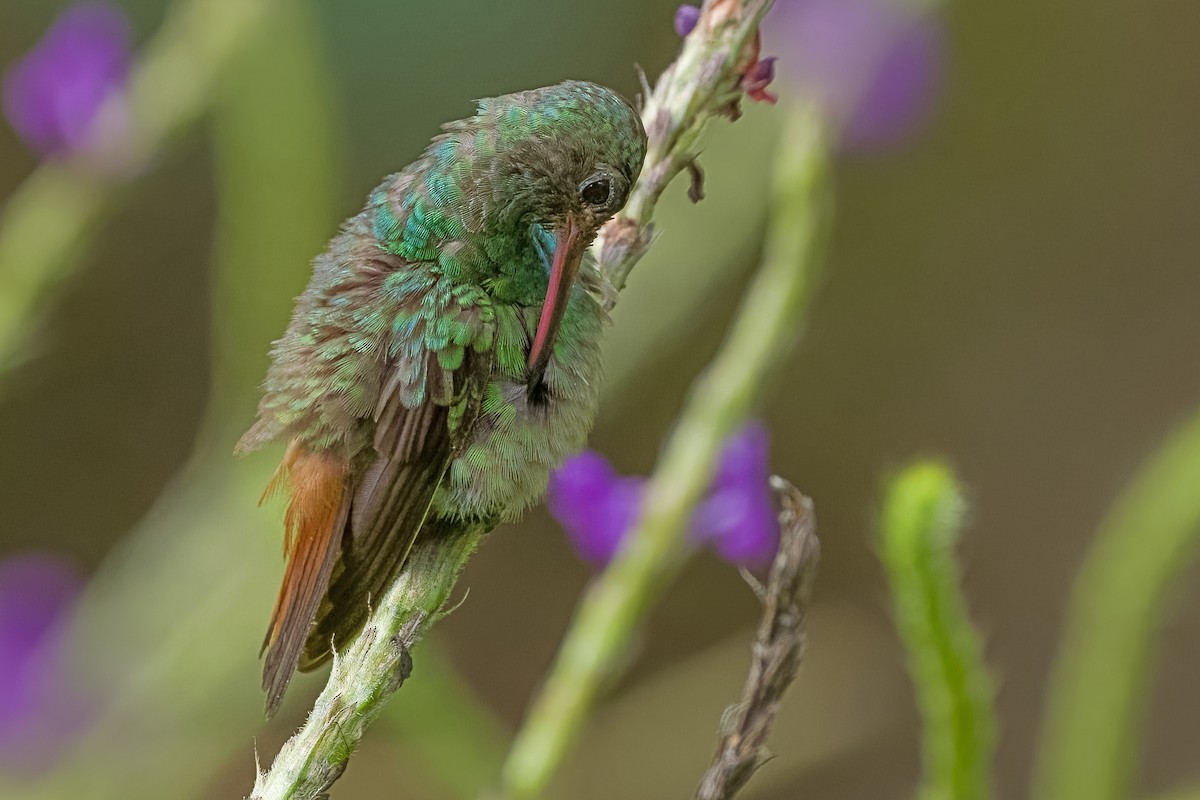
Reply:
x=922 y=520
x=1089 y=747
x=779 y=647
x=375 y=665
x=705 y=81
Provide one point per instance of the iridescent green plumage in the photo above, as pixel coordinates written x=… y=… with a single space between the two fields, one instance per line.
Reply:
x=443 y=358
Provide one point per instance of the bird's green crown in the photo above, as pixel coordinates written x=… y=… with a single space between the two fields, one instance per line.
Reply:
x=499 y=183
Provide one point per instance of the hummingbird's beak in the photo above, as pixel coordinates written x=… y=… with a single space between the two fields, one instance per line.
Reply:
x=569 y=245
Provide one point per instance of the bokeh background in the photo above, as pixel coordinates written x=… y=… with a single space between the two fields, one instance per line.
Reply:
x=1012 y=285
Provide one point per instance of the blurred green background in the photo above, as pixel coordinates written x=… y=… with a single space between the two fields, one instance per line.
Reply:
x=1015 y=290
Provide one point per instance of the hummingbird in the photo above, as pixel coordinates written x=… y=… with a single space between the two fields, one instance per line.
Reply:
x=445 y=356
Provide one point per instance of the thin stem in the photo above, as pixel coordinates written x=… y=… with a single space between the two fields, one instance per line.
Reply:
x=702 y=83
x=779 y=646
x=922 y=520
x=763 y=332
x=1098 y=690
x=366 y=675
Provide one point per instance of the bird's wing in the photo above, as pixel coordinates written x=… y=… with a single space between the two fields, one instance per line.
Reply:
x=351 y=524
x=428 y=399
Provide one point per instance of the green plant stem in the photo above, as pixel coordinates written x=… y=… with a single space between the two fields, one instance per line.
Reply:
x=700 y=84
x=778 y=649
x=48 y=220
x=1097 y=693
x=368 y=672
x=763 y=332
x=922 y=520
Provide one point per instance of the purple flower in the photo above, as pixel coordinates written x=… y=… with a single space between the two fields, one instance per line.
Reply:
x=597 y=507
x=874 y=64
x=594 y=504
x=758 y=78
x=37 y=712
x=54 y=96
x=738 y=517
x=900 y=97
x=686 y=17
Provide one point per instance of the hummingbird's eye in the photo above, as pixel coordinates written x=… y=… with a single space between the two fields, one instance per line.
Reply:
x=596 y=191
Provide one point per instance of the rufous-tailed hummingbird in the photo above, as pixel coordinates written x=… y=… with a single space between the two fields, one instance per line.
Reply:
x=445 y=355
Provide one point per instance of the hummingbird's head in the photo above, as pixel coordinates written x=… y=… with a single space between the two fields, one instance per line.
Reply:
x=557 y=163
x=564 y=154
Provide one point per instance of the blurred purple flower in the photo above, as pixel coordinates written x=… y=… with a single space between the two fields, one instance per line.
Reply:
x=686 y=17
x=54 y=95
x=37 y=714
x=594 y=504
x=738 y=517
x=900 y=97
x=874 y=64
x=597 y=507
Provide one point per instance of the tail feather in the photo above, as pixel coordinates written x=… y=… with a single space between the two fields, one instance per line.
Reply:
x=317 y=513
x=389 y=509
